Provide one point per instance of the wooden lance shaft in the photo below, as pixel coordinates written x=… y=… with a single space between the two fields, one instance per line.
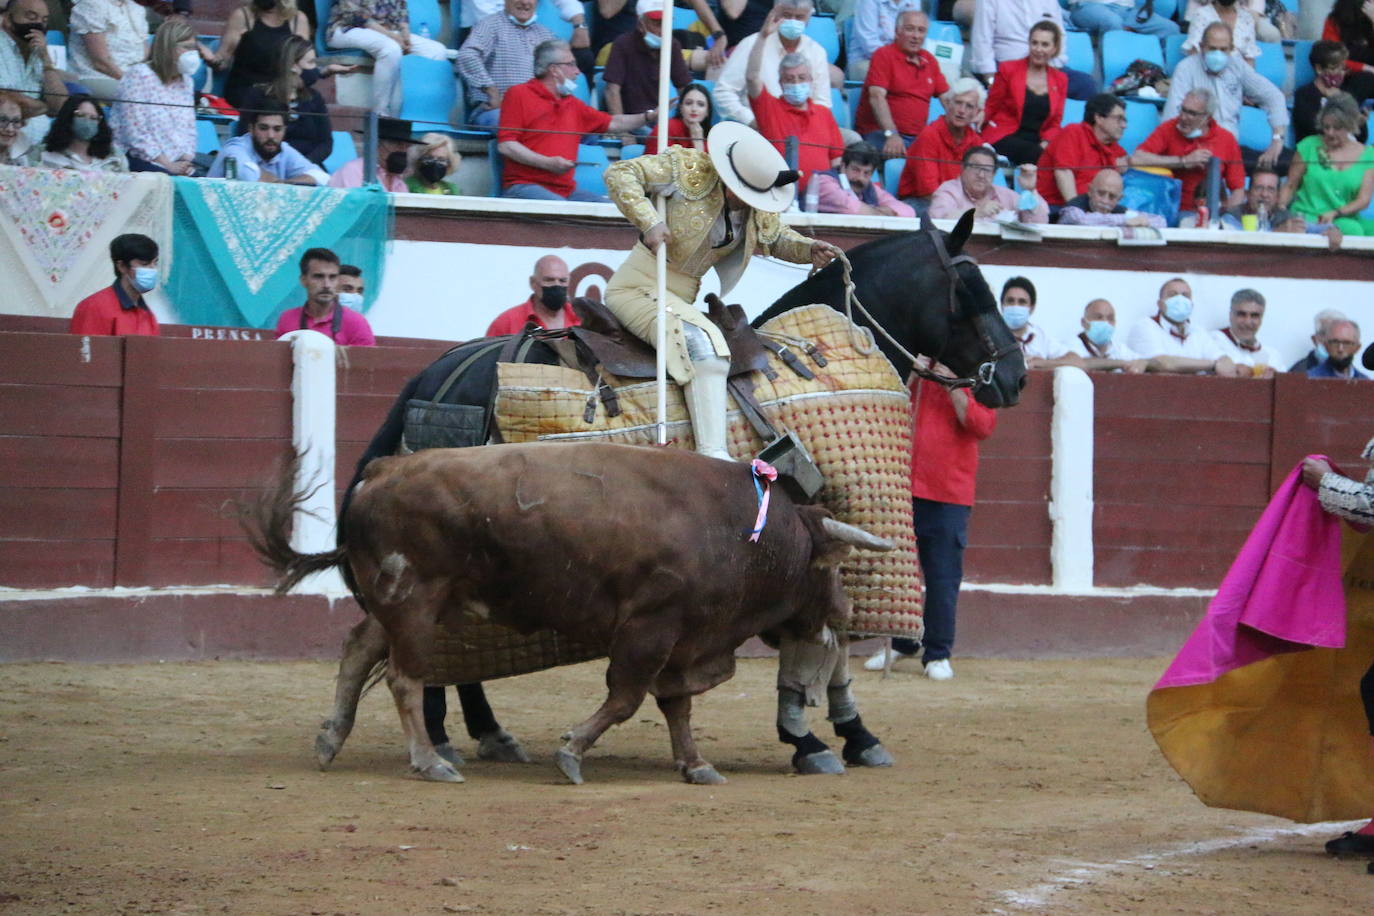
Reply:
x=665 y=60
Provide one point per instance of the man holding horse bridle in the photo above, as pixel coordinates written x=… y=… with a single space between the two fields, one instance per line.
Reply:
x=722 y=207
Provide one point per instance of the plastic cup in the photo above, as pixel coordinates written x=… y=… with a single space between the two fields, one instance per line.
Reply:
x=1249 y=222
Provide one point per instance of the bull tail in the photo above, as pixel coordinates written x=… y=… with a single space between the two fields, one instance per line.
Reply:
x=266 y=520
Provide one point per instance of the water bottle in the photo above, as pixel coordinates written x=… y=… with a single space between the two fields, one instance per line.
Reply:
x=812 y=194
x=231 y=168
x=1262 y=218
x=423 y=30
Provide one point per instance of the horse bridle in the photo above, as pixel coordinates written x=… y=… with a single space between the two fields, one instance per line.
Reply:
x=983 y=375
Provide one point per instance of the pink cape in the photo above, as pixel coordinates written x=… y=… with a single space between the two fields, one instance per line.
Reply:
x=1282 y=594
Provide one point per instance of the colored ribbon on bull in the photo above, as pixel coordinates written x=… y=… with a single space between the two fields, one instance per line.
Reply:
x=765 y=472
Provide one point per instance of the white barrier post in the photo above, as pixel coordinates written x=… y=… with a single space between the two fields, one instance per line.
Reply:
x=1071 y=480
x=312 y=436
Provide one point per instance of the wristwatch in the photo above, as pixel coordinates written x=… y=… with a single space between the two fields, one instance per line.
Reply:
x=718 y=34
x=888 y=134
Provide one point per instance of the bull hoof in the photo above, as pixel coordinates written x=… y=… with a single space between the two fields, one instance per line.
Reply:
x=325 y=750
x=821 y=763
x=570 y=764
x=442 y=771
x=704 y=775
x=875 y=756
x=501 y=747
x=449 y=753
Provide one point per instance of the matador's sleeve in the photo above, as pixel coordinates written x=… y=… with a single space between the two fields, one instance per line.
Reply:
x=631 y=181
x=781 y=241
x=1349 y=499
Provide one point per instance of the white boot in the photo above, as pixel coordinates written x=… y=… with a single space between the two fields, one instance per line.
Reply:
x=705 y=396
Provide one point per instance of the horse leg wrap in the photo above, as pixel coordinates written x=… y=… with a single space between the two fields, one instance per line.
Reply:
x=811 y=754
x=861 y=747
x=842 y=707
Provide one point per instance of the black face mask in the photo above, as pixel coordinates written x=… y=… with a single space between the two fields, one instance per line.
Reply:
x=1342 y=364
x=1226 y=2
x=395 y=162
x=311 y=77
x=432 y=170
x=265 y=5
x=553 y=298
x=22 y=32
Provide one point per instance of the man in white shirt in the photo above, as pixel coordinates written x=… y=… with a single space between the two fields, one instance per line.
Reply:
x=1169 y=332
x=1239 y=341
x=731 y=95
x=1097 y=343
x=1040 y=349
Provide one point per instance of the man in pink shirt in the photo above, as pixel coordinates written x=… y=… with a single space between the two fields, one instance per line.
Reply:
x=974 y=190
x=394 y=138
x=322 y=311
x=852 y=190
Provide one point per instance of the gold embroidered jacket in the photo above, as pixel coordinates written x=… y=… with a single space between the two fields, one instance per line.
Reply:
x=695 y=198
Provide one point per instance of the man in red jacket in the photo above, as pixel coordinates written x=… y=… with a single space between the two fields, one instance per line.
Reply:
x=944 y=467
x=1080 y=151
x=1185 y=145
x=119 y=309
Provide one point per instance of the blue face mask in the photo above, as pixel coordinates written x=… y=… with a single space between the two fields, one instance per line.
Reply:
x=1016 y=316
x=1100 y=332
x=1215 y=61
x=653 y=40
x=352 y=301
x=796 y=93
x=1178 y=308
x=791 y=29
x=145 y=278
x=523 y=23
x=567 y=87
x=1025 y=200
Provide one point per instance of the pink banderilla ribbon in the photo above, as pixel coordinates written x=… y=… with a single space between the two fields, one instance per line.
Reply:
x=762 y=469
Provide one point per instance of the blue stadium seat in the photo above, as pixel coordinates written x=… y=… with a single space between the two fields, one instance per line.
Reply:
x=1173 y=50
x=344 y=152
x=1121 y=49
x=942 y=30
x=57 y=38
x=426 y=13
x=548 y=17
x=207 y=138
x=583 y=91
x=1166 y=8
x=430 y=92
x=1079 y=48
x=682 y=18
x=1272 y=65
x=1302 y=67
x=892 y=175
x=839 y=107
x=1141 y=120
x=824 y=31
x=497 y=166
x=591 y=163
x=1073 y=112
x=855 y=94
x=632 y=150
x=1255 y=132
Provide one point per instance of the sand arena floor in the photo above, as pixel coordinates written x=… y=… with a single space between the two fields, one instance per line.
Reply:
x=1021 y=787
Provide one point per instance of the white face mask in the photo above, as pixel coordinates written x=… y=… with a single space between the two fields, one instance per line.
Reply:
x=352 y=301
x=188 y=63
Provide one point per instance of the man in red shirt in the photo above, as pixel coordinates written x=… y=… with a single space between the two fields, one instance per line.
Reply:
x=937 y=155
x=944 y=467
x=1185 y=145
x=819 y=145
x=542 y=125
x=902 y=79
x=1080 y=151
x=548 y=305
x=119 y=309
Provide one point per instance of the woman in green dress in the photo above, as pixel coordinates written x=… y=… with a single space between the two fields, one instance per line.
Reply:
x=432 y=161
x=1331 y=180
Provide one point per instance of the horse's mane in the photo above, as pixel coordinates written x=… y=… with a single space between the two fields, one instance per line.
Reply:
x=827 y=285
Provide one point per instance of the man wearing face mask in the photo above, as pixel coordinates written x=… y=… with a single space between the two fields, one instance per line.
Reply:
x=548 y=305
x=351 y=287
x=1098 y=345
x=119 y=309
x=731 y=94
x=795 y=114
x=1170 y=333
x=541 y=126
x=1231 y=81
x=1040 y=350
x=632 y=68
x=1329 y=61
x=394 y=139
x=323 y=311
x=25 y=67
x=1321 y=326
x=1342 y=344
x=1187 y=143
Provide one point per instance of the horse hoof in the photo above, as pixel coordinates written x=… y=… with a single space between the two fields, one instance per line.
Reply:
x=875 y=756
x=449 y=753
x=440 y=772
x=501 y=747
x=821 y=763
x=704 y=775
x=325 y=750
x=570 y=764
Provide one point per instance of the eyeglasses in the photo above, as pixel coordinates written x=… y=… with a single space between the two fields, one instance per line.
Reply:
x=1343 y=344
x=6 y=121
x=1193 y=113
x=981 y=169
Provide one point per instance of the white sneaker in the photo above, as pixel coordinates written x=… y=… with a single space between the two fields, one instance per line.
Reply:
x=878 y=660
x=939 y=670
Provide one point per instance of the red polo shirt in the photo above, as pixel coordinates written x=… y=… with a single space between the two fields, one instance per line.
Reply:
x=944 y=452
x=1075 y=148
x=548 y=125
x=818 y=136
x=513 y=320
x=1167 y=141
x=934 y=158
x=910 y=87
x=111 y=312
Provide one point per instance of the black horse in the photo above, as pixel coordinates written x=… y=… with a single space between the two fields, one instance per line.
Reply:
x=916 y=286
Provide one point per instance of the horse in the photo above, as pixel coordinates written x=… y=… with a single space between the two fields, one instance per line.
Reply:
x=919 y=294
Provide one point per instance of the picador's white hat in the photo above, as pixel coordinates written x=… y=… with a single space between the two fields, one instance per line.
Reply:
x=751 y=167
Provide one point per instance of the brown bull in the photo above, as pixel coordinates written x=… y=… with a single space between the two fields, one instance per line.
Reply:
x=643 y=551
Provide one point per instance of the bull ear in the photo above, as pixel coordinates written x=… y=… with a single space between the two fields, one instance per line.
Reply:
x=962 y=230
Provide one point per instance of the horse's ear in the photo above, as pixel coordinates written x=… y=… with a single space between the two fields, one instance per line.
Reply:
x=962 y=230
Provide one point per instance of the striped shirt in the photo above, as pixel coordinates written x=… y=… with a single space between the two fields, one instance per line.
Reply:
x=499 y=53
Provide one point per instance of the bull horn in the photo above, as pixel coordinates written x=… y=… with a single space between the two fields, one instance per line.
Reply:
x=860 y=538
